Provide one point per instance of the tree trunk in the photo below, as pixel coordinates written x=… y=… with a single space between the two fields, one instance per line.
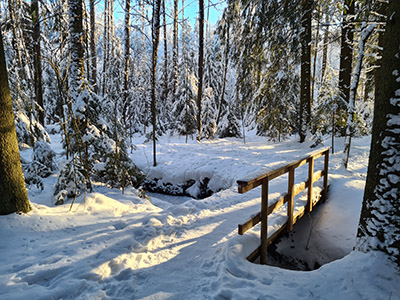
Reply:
x=76 y=82
x=156 y=39
x=106 y=42
x=76 y=47
x=365 y=33
x=325 y=48
x=111 y=27
x=37 y=61
x=93 y=52
x=315 y=53
x=225 y=74
x=379 y=227
x=165 y=90
x=346 y=50
x=13 y=195
x=175 y=52
x=305 y=95
x=126 y=58
x=200 y=66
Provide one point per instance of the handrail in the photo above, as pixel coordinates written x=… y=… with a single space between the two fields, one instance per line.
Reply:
x=246 y=185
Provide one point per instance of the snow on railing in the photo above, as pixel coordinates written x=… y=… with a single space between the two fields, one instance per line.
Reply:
x=293 y=215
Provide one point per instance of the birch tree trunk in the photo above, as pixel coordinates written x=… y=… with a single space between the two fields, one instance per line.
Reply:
x=365 y=33
x=226 y=62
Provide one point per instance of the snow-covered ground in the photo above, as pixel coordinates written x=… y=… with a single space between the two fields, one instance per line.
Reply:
x=119 y=246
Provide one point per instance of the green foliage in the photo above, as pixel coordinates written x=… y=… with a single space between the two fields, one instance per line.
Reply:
x=71 y=180
x=119 y=171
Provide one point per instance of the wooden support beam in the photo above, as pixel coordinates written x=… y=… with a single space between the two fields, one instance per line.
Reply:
x=282 y=200
x=310 y=184
x=318 y=175
x=290 y=204
x=298 y=188
x=253 y=256
x=264 y=221
x=293 y=190
x=326 y=167
x=242 y=228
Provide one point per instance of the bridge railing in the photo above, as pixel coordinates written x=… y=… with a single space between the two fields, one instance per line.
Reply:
x=246 y=185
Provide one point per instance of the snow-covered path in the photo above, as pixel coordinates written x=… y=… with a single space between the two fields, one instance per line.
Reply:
x=118 y=246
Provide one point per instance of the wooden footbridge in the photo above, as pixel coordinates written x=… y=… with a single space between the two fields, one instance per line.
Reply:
x=293 y=216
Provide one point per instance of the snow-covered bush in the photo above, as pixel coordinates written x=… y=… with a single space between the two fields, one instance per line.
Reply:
x=43 y=154
x=29 y=131
x=229 y=125
x=71 y=180
x=119 y=171
x=42 y=165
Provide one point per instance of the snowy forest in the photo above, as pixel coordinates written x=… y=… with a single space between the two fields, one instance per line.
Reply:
x=95 y=85
x=153 y=72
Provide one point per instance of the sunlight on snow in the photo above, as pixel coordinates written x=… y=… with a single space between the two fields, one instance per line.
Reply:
x=158 y=250
x=137 y=261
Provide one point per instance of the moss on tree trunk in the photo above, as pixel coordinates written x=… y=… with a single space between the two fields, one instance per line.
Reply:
x=13 y=195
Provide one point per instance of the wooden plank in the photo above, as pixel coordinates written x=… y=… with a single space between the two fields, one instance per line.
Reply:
x=310 y=184
x=326 y=167
x=242 y=228
x=273 y=237
x=282 y=200
x=298 y=188
x=318 y=175
x=299 y=215
x=320 y=153
x=290 y=204
x=253 y=256
x=264 y=221
x=244 y=187
x=247 y=185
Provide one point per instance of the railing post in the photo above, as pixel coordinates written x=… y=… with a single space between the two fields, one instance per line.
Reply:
x=264 y=221
x=310 y=184
x=326 y=167
x=290 y=204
